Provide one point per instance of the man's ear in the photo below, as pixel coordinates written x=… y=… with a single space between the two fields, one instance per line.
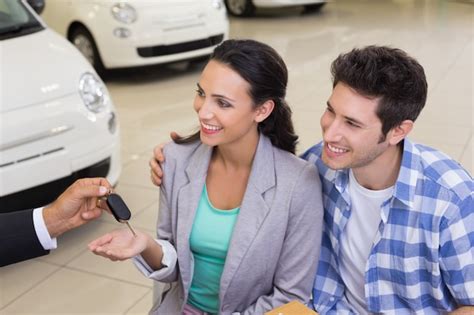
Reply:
x=398 y=133
x=264 y=110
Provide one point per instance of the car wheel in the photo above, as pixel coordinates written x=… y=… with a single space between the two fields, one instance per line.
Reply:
x=314 y=7
x=82 y=39
x=240 y=7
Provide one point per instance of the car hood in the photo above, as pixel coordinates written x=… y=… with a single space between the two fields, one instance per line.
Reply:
x=38 y=68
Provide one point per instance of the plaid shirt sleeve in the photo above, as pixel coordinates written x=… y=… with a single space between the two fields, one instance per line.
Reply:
x=457 y=250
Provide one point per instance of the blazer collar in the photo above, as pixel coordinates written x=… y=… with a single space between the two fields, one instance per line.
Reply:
x=199 y=162
x=188 y=200
x=253 y=211
x=262 y=175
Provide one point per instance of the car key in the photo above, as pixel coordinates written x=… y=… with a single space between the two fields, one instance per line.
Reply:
x=119 y=210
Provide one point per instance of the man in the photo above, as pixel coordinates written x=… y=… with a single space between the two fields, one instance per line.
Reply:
x=32 y=233
x=399 y=216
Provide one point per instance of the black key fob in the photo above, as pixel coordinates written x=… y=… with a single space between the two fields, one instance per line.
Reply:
x=118 y=208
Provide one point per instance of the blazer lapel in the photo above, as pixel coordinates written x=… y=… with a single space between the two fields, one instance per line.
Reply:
x=188 y=199
x=253 y=210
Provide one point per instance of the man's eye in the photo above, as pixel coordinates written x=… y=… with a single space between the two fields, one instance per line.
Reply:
x=329 y=110
x=350 y=123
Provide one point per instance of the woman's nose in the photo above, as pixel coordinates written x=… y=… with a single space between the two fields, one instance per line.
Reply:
x=205 y=111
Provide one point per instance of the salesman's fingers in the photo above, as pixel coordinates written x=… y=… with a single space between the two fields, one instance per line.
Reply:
x=100 y=181
x=91 y=214
x=101 y=204
x=92 y=190
x=97 y=181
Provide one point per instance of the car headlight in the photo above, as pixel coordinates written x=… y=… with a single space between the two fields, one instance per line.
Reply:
x=217 y=4
x=124 y=12
x=93 y=92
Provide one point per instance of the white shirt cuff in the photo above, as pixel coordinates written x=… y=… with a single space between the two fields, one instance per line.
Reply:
x=168 y=261
x=42 y=233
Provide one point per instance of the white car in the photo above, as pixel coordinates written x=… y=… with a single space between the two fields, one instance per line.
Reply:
x=57 y=121
x=115 y=34
x=247 y=7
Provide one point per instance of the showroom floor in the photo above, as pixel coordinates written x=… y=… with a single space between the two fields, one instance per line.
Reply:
x=155 y=100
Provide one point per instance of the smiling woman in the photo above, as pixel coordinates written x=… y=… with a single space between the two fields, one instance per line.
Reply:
x=238 y=210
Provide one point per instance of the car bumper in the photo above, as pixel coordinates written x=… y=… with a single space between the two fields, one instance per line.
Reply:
x=284 y=3
x=176 y=38
x=29 y=161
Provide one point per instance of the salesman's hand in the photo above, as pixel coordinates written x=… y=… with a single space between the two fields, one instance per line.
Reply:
x=156 y=173
x=75 y=206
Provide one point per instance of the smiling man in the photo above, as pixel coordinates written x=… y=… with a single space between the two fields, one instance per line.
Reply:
x=399 y=216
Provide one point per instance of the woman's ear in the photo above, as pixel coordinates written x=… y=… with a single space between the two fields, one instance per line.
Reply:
x=264 y=110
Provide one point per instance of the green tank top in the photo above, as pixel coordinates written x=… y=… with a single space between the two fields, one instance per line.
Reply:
x=209 y=242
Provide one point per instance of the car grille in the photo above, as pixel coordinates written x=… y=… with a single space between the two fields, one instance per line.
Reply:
x=163 y=50
x=10 y=163
x=44 y=194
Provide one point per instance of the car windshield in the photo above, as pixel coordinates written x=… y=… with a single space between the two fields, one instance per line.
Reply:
x=16 y=20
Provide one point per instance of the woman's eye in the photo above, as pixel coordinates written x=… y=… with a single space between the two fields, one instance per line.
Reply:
x=223 y=104
x=199 y=92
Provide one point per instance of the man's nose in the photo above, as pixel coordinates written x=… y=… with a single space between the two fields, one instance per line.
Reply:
x=332 y=132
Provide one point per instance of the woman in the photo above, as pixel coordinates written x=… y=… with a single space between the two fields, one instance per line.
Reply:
x=240 y=219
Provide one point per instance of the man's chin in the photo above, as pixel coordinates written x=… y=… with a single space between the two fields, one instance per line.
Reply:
x=332 y=164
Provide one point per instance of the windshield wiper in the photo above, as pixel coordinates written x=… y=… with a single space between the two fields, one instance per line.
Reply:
x=19 y=28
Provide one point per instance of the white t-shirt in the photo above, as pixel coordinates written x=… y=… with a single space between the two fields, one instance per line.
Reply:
x=357 y=239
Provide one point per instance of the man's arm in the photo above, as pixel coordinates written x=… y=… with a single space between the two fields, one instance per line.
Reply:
x=18 y=240
x=456 y=253
x=76 y=206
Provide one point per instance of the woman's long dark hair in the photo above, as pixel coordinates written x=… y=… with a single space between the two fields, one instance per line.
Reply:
x=265 y=71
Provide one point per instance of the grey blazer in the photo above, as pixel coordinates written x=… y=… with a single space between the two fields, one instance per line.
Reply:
x=276 y=240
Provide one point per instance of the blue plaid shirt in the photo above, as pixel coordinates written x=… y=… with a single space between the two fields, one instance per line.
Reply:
x=422 y=258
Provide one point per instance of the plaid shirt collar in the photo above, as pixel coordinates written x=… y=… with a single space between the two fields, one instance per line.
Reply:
x=405 y=185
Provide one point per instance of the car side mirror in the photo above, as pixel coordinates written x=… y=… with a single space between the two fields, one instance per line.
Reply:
x=37 y=5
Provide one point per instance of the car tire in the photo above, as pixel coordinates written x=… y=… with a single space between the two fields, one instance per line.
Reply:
x=314 y=7
x=82 y=39
x=240 y=7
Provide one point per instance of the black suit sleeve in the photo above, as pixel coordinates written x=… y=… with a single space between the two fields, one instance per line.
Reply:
x=18 y=240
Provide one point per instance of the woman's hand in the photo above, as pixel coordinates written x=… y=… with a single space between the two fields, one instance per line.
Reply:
x=120 y=244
